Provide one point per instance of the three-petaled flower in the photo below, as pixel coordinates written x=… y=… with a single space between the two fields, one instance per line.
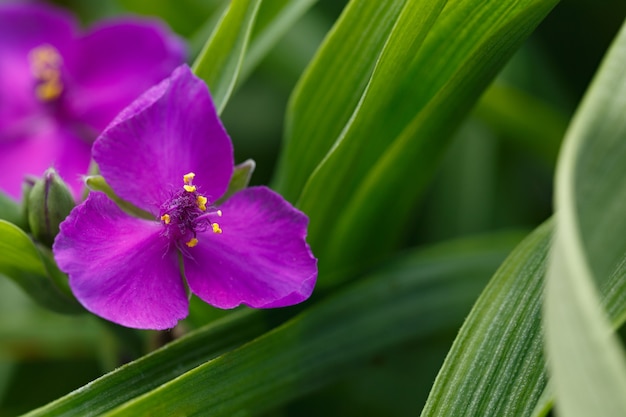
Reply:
x=60 y=88
x=168 y=154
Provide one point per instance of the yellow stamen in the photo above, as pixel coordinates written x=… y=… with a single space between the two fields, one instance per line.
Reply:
x=45 y=63
x=219 y=213
x=188 y=177
x=49 y=90
x=189 y=188
x=216 y=228
x=166 y=218
x=192 y=242
x=202 y=200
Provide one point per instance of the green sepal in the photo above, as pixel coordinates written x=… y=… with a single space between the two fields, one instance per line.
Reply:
x=98 y=183
x=239 y=180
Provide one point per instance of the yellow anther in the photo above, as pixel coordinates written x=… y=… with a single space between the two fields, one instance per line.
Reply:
x=216 y=228
x=45 y=63
x=219 y=213
x=49 y=90
x=189 y=188
x=192 y=242
x=202 y=200
x=166 y=218
x=188 y=177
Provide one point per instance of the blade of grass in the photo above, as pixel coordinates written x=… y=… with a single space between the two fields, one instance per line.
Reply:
x=221 y=58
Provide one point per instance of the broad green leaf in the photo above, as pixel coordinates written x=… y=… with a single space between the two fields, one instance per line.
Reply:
x=587 y=362
x=220 y=61
x=432 y=69
x=334 y=85
x=23 y=263
x=421 y=293
x=496 y=366
x=10 y=210
x=152 y=370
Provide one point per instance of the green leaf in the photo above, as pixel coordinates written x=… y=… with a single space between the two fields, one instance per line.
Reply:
x=220 y=61
x=586 y=360
x=152 y=370
x=21 y=261
x=421 y=293
x=496 y=366
x=434 y=66
x=334 y=85
x=274 y=18
x=10 y=210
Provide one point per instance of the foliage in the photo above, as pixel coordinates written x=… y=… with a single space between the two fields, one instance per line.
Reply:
x=420 y=137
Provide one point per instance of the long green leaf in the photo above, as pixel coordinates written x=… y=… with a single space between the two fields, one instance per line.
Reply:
x=331 y=88
x=417 y=95
x=157 y=368
x=274 y=18
x=24 y=264
x=220 y=61
x=421 y=293
x=10 y=210
x=586 y=361
x=496 y=366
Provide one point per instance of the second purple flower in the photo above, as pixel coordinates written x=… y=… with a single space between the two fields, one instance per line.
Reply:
x=59 y=87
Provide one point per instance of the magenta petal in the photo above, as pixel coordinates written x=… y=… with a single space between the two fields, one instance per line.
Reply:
x=169 y=131
x=120 y=268
x=48 y=145
x=24 y=27
x=261 y=259
x=110 y=74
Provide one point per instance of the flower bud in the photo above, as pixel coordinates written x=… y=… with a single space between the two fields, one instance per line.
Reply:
x=27 y=186
x=48 y=204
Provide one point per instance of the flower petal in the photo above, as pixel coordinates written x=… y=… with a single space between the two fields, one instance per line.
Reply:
x=169 y=131
x=34 y=152
x=261 y=258
x=24 y=27
x=120 y=268
x=109 y=75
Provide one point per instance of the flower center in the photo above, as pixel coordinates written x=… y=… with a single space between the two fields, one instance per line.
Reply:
x=45 y=65
x=186 y=213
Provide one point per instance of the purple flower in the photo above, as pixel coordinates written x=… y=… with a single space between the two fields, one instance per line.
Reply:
x=59 y=88
x=168 y=154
